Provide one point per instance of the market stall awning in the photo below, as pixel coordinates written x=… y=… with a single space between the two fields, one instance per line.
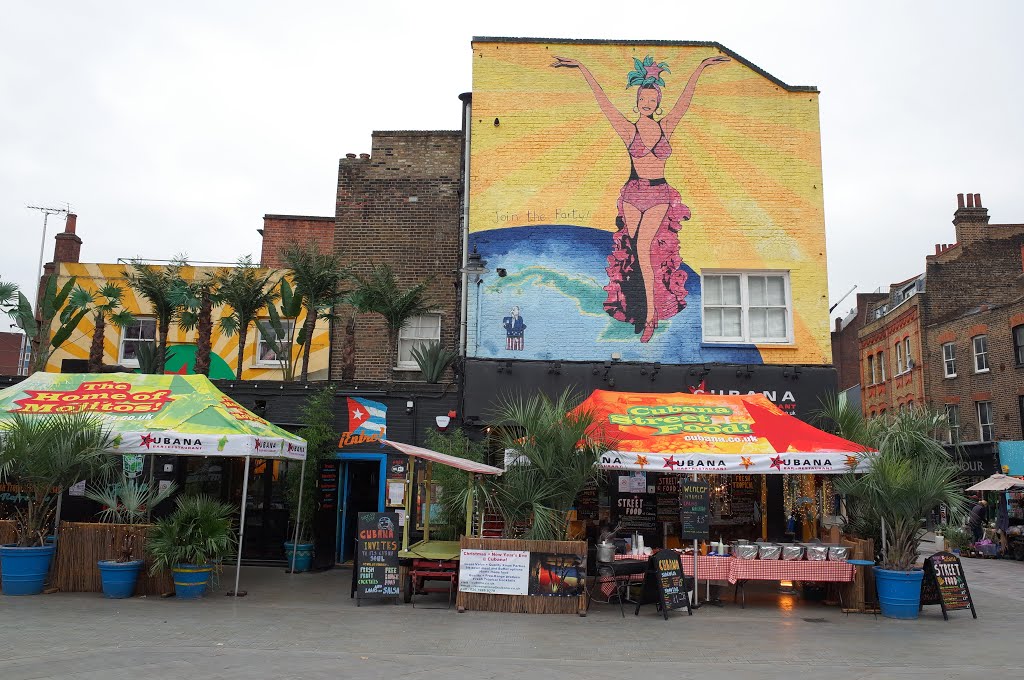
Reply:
x=443 y=458
x=997 y=482
x=180 y=415
x=710 y=433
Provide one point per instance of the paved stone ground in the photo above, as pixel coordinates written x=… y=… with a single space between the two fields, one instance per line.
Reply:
x=305 y=626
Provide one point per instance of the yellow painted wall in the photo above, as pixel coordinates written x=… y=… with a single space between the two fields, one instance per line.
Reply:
x=93 y=276
x=746 y=159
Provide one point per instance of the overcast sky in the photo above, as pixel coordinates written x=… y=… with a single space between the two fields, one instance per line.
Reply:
x=176 y=128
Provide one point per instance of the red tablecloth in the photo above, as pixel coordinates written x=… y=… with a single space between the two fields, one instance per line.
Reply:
x=732 y=569
x=786 y=570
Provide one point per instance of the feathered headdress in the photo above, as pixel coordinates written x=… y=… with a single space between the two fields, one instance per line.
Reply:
x=646 y=73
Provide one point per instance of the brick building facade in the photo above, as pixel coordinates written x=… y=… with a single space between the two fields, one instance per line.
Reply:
x=889 y=343
x=279 y=231
x=845 y=344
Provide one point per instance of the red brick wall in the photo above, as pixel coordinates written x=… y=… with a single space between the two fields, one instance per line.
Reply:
x=281 y=230
x=880 y=336
x=982 y=284
x=10 y=353
x=845 y=346
x=399 y=205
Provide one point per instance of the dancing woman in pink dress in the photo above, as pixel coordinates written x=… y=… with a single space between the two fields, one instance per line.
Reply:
x=645 y=284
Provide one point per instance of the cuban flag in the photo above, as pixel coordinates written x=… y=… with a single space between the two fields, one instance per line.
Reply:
x=367 y=417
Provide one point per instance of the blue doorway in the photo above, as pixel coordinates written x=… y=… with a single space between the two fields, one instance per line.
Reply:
x=363 y=477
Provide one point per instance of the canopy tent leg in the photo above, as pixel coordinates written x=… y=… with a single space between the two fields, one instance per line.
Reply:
x=408 y=504
x=152 y=483
x=241 y=527
x=696 y=584
x=298 y=516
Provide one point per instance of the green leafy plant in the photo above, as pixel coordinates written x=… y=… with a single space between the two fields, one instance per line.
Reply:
x=558 y=451
x=454 y=483
x=318 y=278
x=321 y=444
x=53 y=306
x=146 y=354
x=957 y=538
x=47 y=454
x=104 y=304
x=200 y=531
x=128 y=501
x=433 y=360
x=909 y=476
x=279 y=330
x=380 y=293
x=246 y=289
x=157 y=284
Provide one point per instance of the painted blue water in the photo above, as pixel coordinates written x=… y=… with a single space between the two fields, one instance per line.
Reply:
x=555 y=274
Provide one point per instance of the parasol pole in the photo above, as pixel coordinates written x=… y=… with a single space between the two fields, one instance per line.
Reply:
x=241 y=526
x=298 y=516
x=696 y=590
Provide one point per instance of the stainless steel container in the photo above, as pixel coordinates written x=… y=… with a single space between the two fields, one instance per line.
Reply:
x=745 y=551
x=817 y=553
x=605 y=552
x=792 y=552
x=769 y=551
x=838 y=553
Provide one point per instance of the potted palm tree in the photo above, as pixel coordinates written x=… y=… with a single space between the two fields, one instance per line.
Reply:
x=190 y=541
x=909 y=476
x=127 y=501
x=45 y=455
x=558 y=451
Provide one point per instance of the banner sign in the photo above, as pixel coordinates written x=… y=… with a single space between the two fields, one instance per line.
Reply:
x=557 y=575
x=710 y=433
x=494 y=572
x=377 y=555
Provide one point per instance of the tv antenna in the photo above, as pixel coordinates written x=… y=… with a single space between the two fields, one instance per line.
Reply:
x=47 y=211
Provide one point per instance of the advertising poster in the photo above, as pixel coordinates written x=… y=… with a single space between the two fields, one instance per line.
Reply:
x=555 y=575
x=494 y=572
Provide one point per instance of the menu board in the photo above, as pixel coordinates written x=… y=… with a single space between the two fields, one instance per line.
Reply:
x=327 y=485
x=377 y=555
x=666 y=489
x=693 y=509
x=587 y=504
x=637 y=512
x=743 y=497
x=668 y=575
x=945 y=584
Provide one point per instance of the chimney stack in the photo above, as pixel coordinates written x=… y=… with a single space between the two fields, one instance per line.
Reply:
x=970 y=220
x=69 y=244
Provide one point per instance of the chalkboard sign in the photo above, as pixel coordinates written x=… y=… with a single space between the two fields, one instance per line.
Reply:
x=637 y=512
x=327 y=484
x=587 y=505
x=693 y=509
x=376 y=567
x=664 y=583
x=666 y=488
x=945 y=584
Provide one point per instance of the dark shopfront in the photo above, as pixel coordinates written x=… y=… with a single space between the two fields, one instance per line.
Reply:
x=798 y=390
x=977 y=460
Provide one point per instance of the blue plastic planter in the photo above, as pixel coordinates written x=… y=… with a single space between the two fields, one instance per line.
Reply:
x=899 y=592
x=303 y=556
x=190 y=580
x=119 y=578
x=23 y=570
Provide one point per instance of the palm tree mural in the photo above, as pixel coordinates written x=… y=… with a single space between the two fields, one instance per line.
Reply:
x=104 y=304
x=380 y=293
x=318 y=278
x=157 y=285
x=246 y=290
x=197 y=300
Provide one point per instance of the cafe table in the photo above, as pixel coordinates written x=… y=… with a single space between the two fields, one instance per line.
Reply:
x=823 y=571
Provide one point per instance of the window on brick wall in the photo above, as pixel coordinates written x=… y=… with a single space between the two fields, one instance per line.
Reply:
x=881 y=366
x=140 y=331
x=906 y=351
x=418 y=332
x=747 y=307
x=1018 y=344
x=949 y=360
x=871 y=369
x=899 y=358
x=952 y=424
x=986 y=423
x=980 y=343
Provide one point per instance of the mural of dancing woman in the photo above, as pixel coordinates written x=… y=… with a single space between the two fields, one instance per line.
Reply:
x=645 y=283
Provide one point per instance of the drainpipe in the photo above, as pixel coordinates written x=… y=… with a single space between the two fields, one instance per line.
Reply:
x=467 y=99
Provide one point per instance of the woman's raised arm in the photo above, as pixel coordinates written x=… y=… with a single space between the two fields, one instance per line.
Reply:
x=618 y=122
x=669 y=122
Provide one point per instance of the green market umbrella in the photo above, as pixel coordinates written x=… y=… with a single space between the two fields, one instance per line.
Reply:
x=174 y=415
